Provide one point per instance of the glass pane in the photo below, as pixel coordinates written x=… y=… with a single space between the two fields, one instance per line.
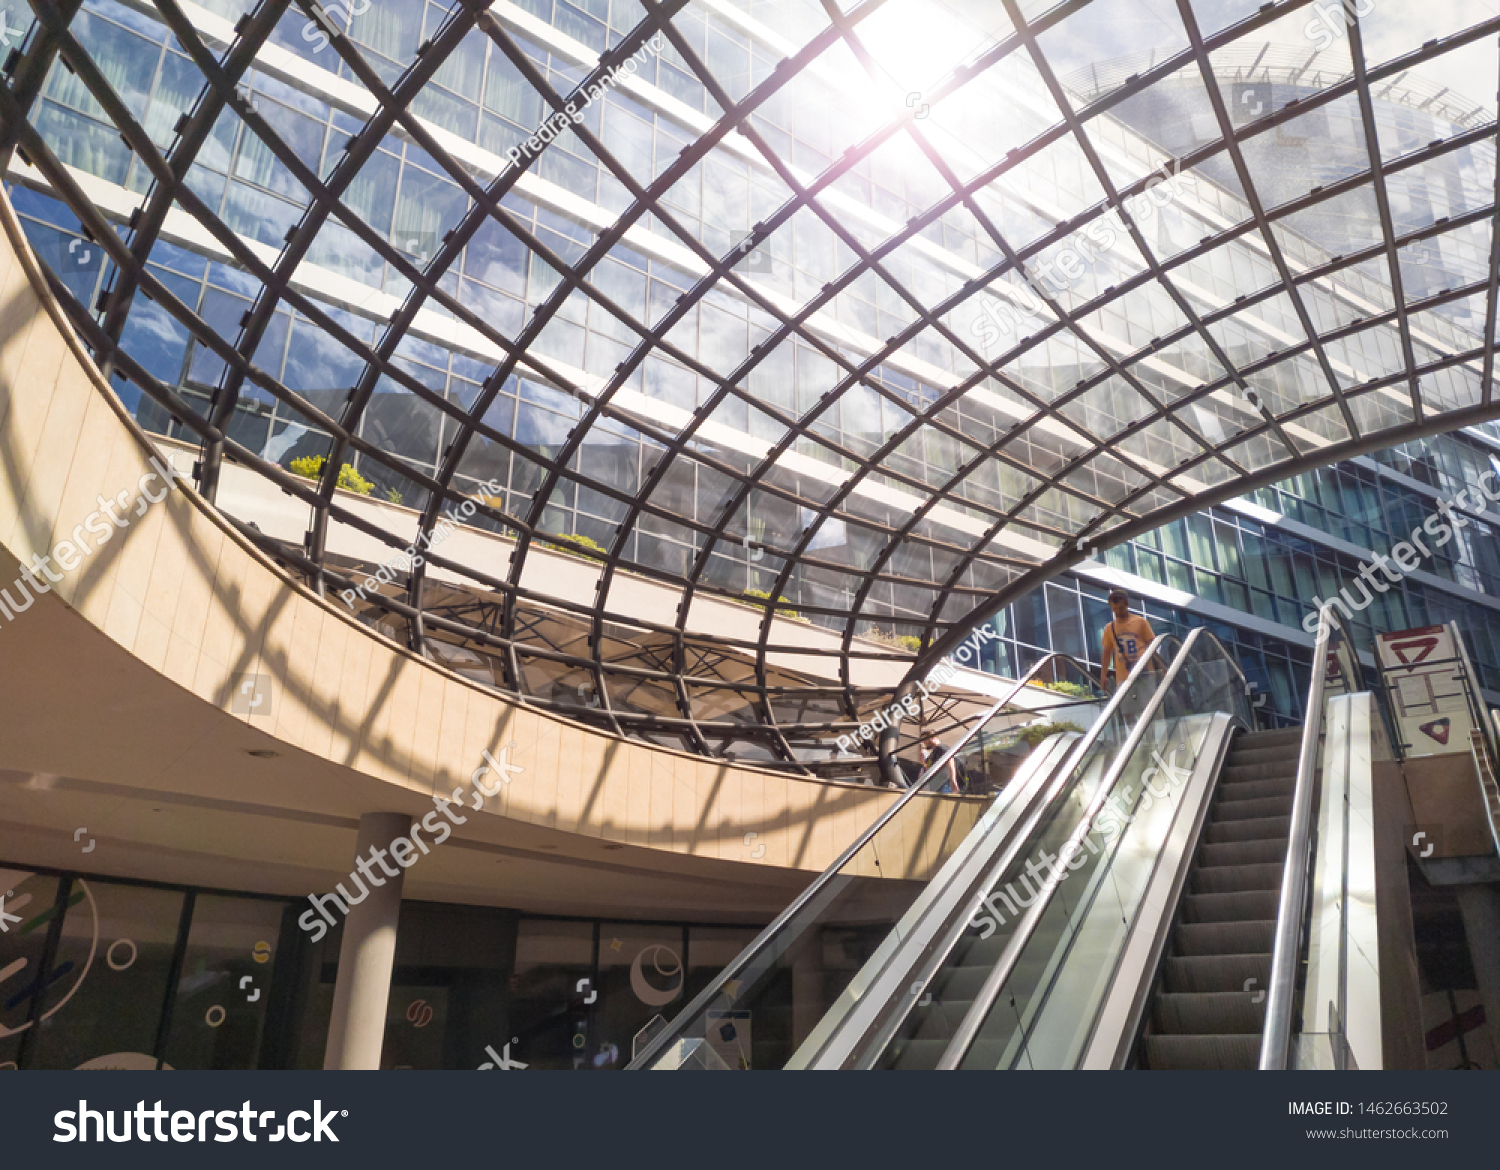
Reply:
x=219 y=1015
x=549 y=1018
x=450 y=1002
x=30 y=896
x=116 y=948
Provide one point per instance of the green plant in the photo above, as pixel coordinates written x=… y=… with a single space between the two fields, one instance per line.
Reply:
x=1076 y=690
x=911 y=642
x=577 y=542
x=311 y=466
x=1037 y=732
x=393 y=495
x=763 y=595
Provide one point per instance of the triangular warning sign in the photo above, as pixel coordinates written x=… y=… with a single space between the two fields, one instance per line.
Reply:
x=1437 y=729
x=1413 y=650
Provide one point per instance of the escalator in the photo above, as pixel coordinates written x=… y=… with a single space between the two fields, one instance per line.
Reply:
x=894 y=886
x=1143 y=895
x=1018 y=949
x=1207 y=1012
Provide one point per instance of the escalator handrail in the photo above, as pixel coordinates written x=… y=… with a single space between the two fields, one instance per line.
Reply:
x=999 y=975
x=1276 y=1039
x=1005 y=851
x=706 y=996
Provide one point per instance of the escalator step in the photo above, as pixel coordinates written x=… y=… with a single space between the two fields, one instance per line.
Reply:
x=1226 y=938
x=941 y=1018
x=1239 y=773
x=1202 y=1052
x=1237 y=879
x=1210 y=1013
x=1248 y=810
x=1217 y=973
x=960 y=982
x=1249 y=789
x=1283 y=735
x=1250 y=829
x=1255 y=905
x=1278 y=753
x=919 y=1054
x=1270 y=849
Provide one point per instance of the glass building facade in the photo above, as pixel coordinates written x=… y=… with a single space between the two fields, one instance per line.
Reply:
x=761 y=306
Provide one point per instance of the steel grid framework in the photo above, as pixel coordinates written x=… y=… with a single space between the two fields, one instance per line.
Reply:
x=1062 y=509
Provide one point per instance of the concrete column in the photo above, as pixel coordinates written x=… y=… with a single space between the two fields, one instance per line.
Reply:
x=356 y=1029
x=1480 y=907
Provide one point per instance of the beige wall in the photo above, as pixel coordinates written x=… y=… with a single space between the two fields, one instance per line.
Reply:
x=196 y=604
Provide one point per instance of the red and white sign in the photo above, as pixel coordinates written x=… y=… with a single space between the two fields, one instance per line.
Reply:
x=1426 y=686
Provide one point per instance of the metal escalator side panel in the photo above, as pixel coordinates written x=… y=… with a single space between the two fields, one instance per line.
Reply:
x=881 y=1046
x=793 y=926
x=975 y=939
x=1088 y=925
x=1122 y=1013
x=1202 y=679
x=887 y=970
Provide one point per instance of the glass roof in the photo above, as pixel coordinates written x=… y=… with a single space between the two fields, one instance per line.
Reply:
x=761 y=342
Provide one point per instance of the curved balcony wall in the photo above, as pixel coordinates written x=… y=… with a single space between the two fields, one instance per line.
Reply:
x=148 y=635
x=785 y=359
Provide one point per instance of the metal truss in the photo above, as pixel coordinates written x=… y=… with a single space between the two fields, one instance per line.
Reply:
x=656 y=677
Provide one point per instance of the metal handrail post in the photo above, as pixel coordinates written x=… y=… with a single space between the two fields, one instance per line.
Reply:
x=1275 y=1043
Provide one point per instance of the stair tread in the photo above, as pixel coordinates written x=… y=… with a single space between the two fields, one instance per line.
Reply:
x=1249 y=829
x=1209 y=1013
x=1237 y=879
x=1252 y=904
x=1211 y=855
x=1257 y=808
x=1203 y=1052
x=1245 y=974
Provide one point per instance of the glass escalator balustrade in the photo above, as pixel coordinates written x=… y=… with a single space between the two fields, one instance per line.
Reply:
x=1044 y=947
x=784 y=984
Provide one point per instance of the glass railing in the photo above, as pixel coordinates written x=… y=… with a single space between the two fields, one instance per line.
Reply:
x=788 y=978
x=916 y=1030
x=1049 y=935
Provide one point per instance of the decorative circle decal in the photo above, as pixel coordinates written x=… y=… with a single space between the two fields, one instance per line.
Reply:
x=261 y=952
x=208 y=1016
x=645 y=991
x=419 y=1013
x=109 y=955
x=40 y=986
